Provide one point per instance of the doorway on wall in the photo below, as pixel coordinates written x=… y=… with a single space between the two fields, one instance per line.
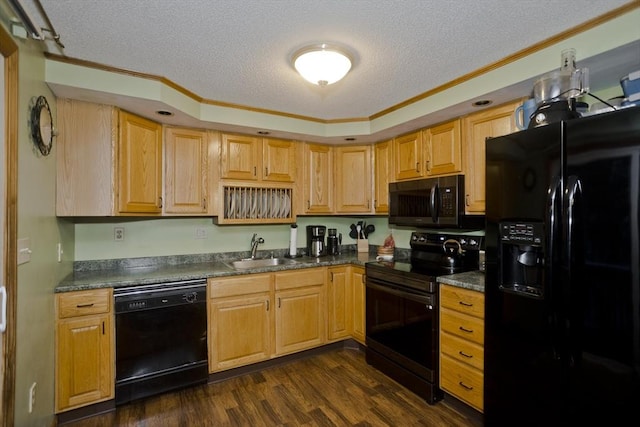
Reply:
x=8 y=222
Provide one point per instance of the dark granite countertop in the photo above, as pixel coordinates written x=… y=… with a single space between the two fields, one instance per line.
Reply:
x=473 y=280
x=140 y=271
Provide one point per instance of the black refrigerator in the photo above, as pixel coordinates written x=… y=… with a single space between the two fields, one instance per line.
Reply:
x=562 y=280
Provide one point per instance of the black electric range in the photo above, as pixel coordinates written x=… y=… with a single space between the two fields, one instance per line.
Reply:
x=402 y=309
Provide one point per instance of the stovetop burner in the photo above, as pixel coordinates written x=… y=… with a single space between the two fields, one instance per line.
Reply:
x=426 y=261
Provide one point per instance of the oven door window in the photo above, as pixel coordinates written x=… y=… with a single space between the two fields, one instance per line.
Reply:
x=402 y=322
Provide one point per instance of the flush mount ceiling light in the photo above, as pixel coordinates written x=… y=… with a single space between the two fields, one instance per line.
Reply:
x=322 y=64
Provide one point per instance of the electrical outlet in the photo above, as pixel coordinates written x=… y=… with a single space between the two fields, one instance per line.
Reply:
x=60 y=252
x=118 y=234
x=32 y=397
x=201 y=233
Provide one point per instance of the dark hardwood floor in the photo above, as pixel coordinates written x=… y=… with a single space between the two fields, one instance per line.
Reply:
x=334 y=388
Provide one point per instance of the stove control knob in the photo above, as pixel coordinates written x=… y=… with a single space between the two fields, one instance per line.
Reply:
x=463 y=241
x=414 y=237
x=473 y=242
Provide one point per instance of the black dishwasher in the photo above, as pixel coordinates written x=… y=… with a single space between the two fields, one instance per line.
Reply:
x=161 y=338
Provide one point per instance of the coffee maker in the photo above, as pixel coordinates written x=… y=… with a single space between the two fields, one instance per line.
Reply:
x=315 y=240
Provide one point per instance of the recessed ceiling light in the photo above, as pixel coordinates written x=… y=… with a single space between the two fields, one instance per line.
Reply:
x=482 y=103
x=164 y=113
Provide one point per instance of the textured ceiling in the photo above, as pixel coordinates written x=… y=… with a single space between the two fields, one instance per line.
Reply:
x=238 y=51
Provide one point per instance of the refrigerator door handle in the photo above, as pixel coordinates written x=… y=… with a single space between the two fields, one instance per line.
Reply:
x=574 y=189
x=552 y=218
x=433 y=200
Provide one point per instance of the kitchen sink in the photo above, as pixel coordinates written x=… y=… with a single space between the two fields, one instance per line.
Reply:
x=243 y=264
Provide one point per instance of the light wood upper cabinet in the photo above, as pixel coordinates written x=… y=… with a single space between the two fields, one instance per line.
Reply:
x=109 y=162
x=85 y=159
x=139 y=165
x=408 y=155
x=279 y=160
x=239 y=157
x=382 y=173
x=353 y=179
x=318 y=178
x=443 y=149
x=85 y=351
x=476 y=128
x=186 y=172
x=245 y=157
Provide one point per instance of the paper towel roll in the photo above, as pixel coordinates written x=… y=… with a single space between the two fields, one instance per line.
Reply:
x=293 y=239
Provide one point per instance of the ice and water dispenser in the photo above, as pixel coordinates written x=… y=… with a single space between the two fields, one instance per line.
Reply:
x=522 y=257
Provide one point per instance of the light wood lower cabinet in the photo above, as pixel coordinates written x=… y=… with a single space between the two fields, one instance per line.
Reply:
x=462 y=344
x=339 y=304
x=358 y=303
x=85 y=350
x=256 y=317
x=346 y=302
x=240 y=321
x=300 y=310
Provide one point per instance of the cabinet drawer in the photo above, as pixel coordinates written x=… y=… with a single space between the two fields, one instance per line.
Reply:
x=80 y=303
x=462 y=381
x=462 y=350
x=300 y=278
x=462 y=325
x=463 y=300
x=241 y=285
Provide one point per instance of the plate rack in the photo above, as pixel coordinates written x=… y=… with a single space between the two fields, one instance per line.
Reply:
x=243 y=204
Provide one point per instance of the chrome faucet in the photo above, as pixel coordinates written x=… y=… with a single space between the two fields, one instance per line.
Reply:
x=255 y=241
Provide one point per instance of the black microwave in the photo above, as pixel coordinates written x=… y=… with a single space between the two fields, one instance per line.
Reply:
x=431 y=203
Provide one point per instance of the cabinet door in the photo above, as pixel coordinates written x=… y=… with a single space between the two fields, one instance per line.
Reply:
x=139 y=165
x=476 y=129
x=299 y=319
x=353 y=179
x=186 y=171
x=318 y=178
x=339 y=303
x=358 y=298
x=239 y=331
x=279 y=160
x=408 y=156
x=239 y=157
x=443 y=145
x=84 y=361
x=382 y=172
x=85 y=170
x=300 y=309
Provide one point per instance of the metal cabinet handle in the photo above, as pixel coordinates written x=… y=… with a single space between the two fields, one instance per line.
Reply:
x=427 y=165
x=84 y=305
x=417 y=166
x=160 y=202
x=466 y=304
x=267 y=305
x=465 y=386
x=266 y=171
x=255 y=171
x=466 y=199
x=204 y=204
x=463 y=329
x=462 y=353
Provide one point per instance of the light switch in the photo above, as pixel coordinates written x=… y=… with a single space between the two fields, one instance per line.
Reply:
x=24 y=250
